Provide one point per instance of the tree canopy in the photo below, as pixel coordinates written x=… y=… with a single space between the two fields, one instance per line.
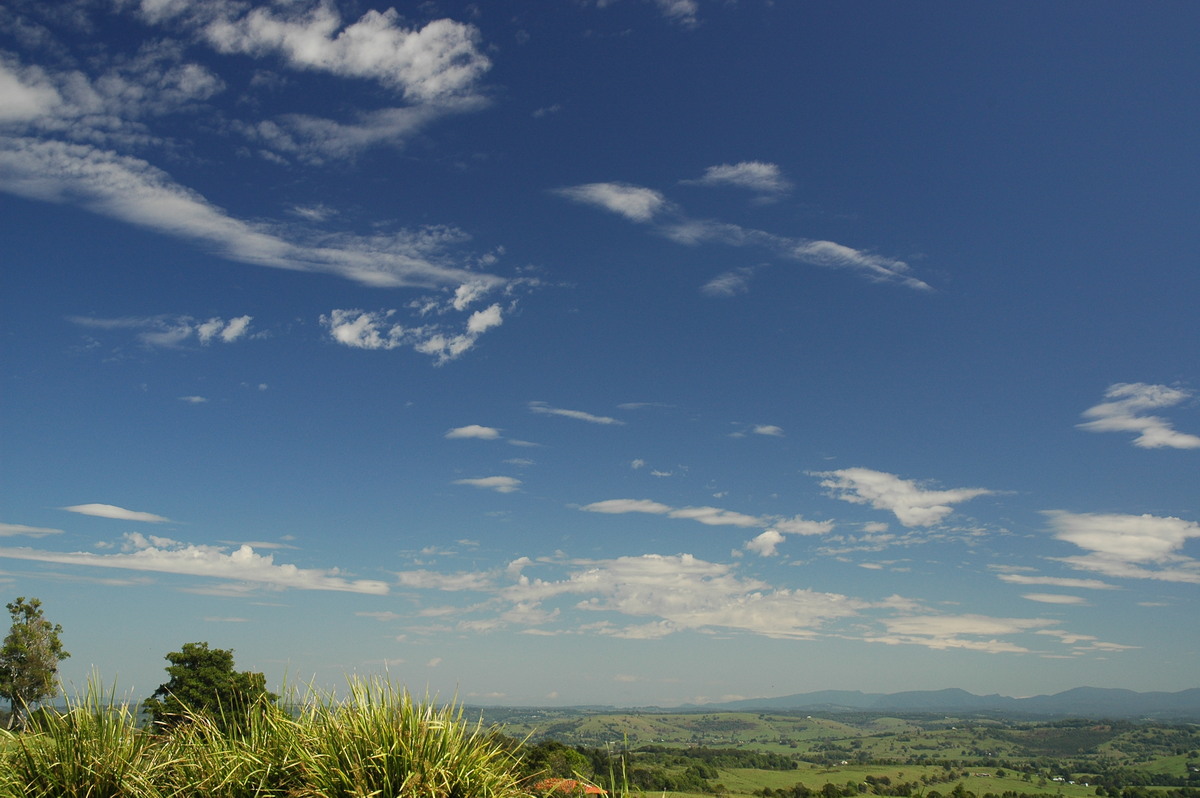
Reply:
x=29 y=658
x=203 y=681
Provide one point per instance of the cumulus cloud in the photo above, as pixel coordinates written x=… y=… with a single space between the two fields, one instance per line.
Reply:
x=685 y=593
x=911 y=504
x=163 y=555
x=545 y=409
x=498 y=484
x=116 y=513
x=1129 y=546
x=364 y=329
x=768 y=429
x=1124 y=413
x=765 y=544
x=474 y=431
x=437 y=63
x=764 y=178
x=171 y=331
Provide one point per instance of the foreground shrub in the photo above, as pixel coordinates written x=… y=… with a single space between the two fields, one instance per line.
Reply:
x=375 y=743
x=92 y=750
x=378 y=741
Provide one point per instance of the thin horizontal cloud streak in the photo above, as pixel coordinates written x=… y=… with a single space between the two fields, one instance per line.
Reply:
x=117 y=513
x=243 y=564
x=645 y=205
x=579 y=415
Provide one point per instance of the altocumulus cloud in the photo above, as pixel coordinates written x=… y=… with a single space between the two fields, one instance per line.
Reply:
x=1129 y=546
x=1124 y=412
x=911 y=504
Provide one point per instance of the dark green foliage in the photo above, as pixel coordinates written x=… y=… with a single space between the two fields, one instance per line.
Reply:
x=29 y=658
x=203 y=681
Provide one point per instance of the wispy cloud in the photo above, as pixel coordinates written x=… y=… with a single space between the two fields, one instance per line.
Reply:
x=580 y=415
x=116 y=513
x=911 y=504
x=970 y=632
x=764 y=178
x=647 y=206
x=1129 y=546
x=1057 y=581
x=1124 y=413
x=730 y=283
x=711 y=516
x=16 y=530
x=243 y=564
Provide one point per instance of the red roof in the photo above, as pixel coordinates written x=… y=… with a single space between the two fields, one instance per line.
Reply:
x=570 y=786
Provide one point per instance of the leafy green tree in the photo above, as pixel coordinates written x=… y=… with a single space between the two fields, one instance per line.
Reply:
x=203 y=681
x=29 y=659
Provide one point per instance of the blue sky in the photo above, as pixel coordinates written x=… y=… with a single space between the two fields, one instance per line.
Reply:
x=605 y=352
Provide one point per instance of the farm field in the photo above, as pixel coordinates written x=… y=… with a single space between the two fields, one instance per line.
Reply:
x=698 y=753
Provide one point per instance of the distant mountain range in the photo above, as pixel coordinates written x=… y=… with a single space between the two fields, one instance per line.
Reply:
x=1092 y=702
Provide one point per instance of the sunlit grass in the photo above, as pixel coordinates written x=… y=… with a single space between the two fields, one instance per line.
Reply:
x=377 y=742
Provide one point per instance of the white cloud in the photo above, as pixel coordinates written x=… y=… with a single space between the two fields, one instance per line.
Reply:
x=768 y=429
x=618 y=506
x=13 y=530
x=633 y=202
x=643 y=205
x=432 y=580
x=1123 y=414
x=729 y=283
x=802 y=526
x=1129 y=546
x=194 y=400
x=435 y=64
x=474 y=431
x=1055 y=598
x=637 y=463
x=116 y=513
x=682 y=592
x=683 y=12
x=912 y=505
x=171 y=331
x=498 y=484
x=710 y=516
x=25 y=93
x=1057 y=581
x=542 y=407
x=970 y=632
x=765 y=178
x=363 y=329
x=133 y=191
x=163 y=555
x=765 y=544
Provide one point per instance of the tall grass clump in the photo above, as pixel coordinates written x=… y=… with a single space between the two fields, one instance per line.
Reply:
x=378 y=741
x=254 y=755
x=92 y=750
